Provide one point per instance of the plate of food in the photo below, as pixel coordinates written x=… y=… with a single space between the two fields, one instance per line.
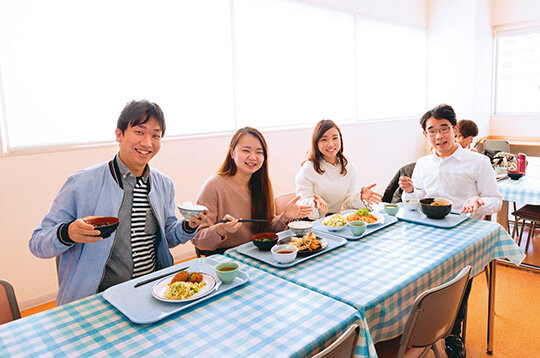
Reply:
x=184 y=287
x=335 y=222
x=308 y=244
x=370 y=218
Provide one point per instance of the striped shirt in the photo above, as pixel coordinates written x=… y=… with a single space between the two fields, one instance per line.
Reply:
x=143 y=245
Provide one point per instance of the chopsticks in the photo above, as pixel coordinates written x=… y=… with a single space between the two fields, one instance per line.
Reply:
x=245 y=221
x=158 y=277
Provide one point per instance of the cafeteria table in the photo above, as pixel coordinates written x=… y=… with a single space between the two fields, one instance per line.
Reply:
x=382 y=274
x=266 y=317
x=525 y=190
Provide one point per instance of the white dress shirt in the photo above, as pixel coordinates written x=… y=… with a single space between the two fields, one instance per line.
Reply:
x=460 y=176
x=338 y=191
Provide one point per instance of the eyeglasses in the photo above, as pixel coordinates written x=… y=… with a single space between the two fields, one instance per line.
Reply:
x=433 y=132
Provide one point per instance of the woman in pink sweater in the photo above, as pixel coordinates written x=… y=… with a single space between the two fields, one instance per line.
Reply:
x=241 y=189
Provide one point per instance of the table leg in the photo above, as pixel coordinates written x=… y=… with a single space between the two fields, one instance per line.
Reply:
x=502 y=216
x=491 y=307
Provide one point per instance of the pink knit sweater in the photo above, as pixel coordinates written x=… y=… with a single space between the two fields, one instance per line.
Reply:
x=221 y=195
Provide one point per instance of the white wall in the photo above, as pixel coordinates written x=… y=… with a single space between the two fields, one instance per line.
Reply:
x=514 y=11
x=30 y=183
x=459 y=58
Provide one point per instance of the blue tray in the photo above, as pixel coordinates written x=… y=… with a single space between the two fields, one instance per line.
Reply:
x=346 y=231
x=249 y=249
x=451 y=220
x=141 y=307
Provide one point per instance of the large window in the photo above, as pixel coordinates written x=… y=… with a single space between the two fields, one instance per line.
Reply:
x=67 y=68
x=517 y=76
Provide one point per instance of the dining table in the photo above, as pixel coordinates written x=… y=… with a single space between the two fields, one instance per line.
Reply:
x=525 y=190
x=382 y=274
x=265 y=317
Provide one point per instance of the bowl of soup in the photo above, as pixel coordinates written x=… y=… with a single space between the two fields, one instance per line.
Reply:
x=411 y=204
x=435 y=208
x=284 y=254
x=104 y=224
x=264 y=240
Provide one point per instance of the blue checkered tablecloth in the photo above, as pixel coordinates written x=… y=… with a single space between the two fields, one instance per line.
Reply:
x=525 y=190
x=266 y=317
x=382 y=275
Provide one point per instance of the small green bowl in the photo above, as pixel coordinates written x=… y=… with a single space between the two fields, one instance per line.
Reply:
x=357 y=227
x=391 y=209
x=227 y=271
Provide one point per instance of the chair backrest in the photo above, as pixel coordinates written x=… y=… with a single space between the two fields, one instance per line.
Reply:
x=344 y=346
x=392 y=193
x=434 y=312
x=9 y=309
x=281 y=201
x=496 y=145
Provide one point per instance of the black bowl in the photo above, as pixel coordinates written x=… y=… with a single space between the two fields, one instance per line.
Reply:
x=264 y=240
x=515 y=175
x=105 y=224
x=435 y=211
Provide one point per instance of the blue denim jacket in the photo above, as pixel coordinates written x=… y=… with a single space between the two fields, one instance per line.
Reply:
x=94 y=191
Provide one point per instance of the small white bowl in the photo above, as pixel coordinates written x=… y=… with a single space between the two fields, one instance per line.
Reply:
x=301 y=228
x=411 y=205
x=284 y=258
x=189 y=209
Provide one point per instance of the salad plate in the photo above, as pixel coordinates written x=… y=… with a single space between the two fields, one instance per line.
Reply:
x=160 y=288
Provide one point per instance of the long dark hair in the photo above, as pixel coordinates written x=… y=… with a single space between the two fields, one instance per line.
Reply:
x=262 y=195
x=315 y=156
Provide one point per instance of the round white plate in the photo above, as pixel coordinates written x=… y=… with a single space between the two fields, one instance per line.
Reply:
x=379 y=216
x=161 y=286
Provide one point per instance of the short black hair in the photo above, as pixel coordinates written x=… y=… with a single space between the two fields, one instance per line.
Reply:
x=442 y=111
x=467 y=128
x=140 y=112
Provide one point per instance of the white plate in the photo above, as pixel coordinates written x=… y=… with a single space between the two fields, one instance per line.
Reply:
x=161 y=286
x=379 y=216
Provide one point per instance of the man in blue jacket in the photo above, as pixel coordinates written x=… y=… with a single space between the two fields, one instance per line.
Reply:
x=125 y=187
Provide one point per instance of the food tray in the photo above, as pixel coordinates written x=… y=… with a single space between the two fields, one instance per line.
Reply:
x=451 y=220
x=249 y=249
x=141 y=307
x=346 y=232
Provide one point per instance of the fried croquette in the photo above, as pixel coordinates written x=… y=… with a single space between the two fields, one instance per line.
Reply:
x=195 y=277
x=181 y=276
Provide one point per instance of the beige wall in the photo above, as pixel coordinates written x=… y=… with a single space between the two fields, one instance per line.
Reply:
x=30 y=183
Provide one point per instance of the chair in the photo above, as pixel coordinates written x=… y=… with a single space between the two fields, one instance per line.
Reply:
x=281 y=201
x=392 y=193
x=344 y=346
x=433 y=314
x=526 y=213
x=496 y=145
x=9 y=309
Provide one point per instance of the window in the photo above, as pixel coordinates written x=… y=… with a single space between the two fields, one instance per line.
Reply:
x=517 y=71
x=294 y=63
x=68 y=68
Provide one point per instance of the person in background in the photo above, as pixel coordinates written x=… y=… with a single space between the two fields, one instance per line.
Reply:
x=466 y=131
x=241 y=188
x=327 y=181
x=462 y=176
x=125 y=187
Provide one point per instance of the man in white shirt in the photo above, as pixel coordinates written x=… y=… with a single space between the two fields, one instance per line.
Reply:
x=462 y=176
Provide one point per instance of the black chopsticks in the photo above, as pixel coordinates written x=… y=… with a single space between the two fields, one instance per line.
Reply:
x=158 y=277
x=245 y=221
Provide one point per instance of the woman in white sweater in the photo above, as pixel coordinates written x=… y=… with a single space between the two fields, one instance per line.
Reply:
x=326 y=180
